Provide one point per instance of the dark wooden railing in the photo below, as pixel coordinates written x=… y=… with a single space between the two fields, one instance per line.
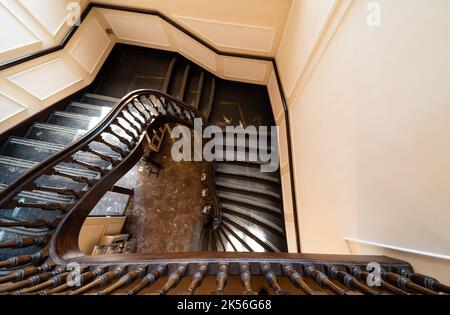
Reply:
x=138 y=113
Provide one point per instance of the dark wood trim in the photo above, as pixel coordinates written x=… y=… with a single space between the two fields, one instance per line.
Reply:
x=92 y=5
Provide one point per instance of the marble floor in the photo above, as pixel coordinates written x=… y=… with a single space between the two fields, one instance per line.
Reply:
x=165 y=213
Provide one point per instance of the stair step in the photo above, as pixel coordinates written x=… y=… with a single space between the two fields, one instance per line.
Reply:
x=247 y=170
x=266 y=238
x=101 y=100
x=247 y=186
x=273 y=222
x=11 y=168
x=29 y=149
x=71 y=120
x=88 y=109
x=238 y=244
x=248 y=242
x=249 y=200
x=54 y=133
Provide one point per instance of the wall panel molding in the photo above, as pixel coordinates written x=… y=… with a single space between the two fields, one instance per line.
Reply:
x=138 y=28
x=10 y=107
x=46 y=80
x=89 y=49
x=244 y=69
x=232 y=35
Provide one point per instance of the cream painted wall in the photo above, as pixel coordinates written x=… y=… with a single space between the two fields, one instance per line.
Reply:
x=256 y=23
x=370 y=119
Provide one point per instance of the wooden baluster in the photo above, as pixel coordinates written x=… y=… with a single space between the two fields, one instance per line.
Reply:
x=128 y=132
x=23 y=259
x=121 y=138
x=26 y=224
x=406 y=284
x=297 y=280
x=138 y=120
x=26 y=241
x=425 y=281
x=173 y=280
x=100 y=281
x=80 y=179
x=137 y=114
x=142 y=110
x=363 y=275
x=350 y=281
x=24 y=273
x=197 y=278
x=49 y=206
x=84 y=278
x=323 y=280
x=148 y=280
x=61 y=190
x=92 y=167
x=246 y=279
x=116 y=149
x=272 y=279
x=130 y=119
x=33 y=280
x=50 y=283
x=124 y=281
x=221 y=279
x=102 y=156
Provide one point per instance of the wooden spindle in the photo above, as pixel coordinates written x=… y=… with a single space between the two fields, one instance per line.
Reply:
x=126 y=130
x=406 y=284
x=363 y=275
x=148 y=280
x=33 y=280
x=80 y=179
x=113 y=147
x=49 y=206
x=85 y=277
x=26 y=224
x=24 y=273
x=425 y=281
x=23 y=259
x=221 y=279
x=61 y=190
x=26 y=241
x=297 y=280
x=89 y=166
x=323 y=280
x=124 y=281
x=50 y=283
x=350 y=281
x=100 y=281
x=102 y=156
x=246 y=279
x=173 y=280
x=197 y=278
x=272 y=279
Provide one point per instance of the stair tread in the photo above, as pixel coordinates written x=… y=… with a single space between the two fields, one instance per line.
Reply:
x=247 y=170
x=266 y=237
x=98 y=99
x=88 y=109
x=247 y=199
x=29 y=149
x=247 y=186
x=264 y=218
x=72 y=120
x=54 y=133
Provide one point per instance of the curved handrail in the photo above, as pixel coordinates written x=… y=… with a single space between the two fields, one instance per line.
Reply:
x=151 y=110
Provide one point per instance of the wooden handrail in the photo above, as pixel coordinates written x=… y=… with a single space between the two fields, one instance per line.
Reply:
x=198 y=39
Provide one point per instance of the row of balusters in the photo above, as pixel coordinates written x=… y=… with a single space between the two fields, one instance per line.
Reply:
x=131 y=121
x=103 y=280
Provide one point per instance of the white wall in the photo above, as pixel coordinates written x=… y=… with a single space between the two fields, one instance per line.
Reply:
x=370 y=117
x=250 y=26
